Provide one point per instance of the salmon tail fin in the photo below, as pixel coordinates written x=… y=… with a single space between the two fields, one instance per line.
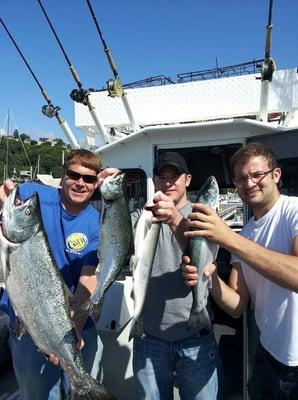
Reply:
x=88 y=308
x=92 y=390
x=199 y=320
x=95 y=311
x=136 y=328
x=83 y=308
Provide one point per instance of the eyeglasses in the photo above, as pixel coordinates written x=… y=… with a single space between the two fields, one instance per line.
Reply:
x=76 y=176
x=255 y=177
x=170 y=178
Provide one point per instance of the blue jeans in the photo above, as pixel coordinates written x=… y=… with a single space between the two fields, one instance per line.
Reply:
x=193 y=364
x=39 y=379
x=271 y=380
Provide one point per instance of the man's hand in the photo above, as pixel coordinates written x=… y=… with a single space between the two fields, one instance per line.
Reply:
x=79 y=345
x=163 y=209
x=206 y=223
x=53 y=359
x=107 y=172
x=190 y=273
x=5 y=189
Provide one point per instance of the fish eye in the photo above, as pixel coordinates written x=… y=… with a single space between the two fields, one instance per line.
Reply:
x=28 y=211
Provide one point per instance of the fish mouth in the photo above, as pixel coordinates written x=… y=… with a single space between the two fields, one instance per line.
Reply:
x=15 y=227
x=13 y=200
x=112 y=187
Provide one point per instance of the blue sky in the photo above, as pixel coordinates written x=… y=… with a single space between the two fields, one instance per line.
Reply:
x=146 y=38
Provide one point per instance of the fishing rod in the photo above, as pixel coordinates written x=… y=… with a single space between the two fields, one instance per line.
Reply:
x=79 y=95
x=115 y=87
x=49 y=110
x=268 y=67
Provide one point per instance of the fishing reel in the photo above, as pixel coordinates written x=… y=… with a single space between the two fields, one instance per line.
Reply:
x=80 y=96
x=115 y=88
x=268 y=68
x=50 y=111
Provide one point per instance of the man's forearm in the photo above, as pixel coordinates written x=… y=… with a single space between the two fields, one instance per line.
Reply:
x=86 y=286
x=226 y=297
x=279 y=268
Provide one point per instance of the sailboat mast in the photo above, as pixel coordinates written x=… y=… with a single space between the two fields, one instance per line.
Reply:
x=7 y=146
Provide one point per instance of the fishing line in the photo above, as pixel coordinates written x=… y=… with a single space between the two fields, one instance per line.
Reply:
x=54 y=32
x=24 y=59
x=74 y=73
x=115 y=87
x=80 y=95
x=106 y=49
x=48 y=110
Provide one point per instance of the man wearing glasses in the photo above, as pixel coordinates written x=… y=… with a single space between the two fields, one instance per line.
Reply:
x=72 y=227
x=264 y=269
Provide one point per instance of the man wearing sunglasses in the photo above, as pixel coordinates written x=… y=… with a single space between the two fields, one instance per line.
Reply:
x=264 y=269
x=72 y=227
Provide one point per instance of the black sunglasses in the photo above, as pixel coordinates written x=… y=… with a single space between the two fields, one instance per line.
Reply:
x=76 y=176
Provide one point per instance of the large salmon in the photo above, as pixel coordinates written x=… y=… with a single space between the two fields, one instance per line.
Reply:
x=146 y=239
x=203 y=253
x=116 y=238
x=39 y=295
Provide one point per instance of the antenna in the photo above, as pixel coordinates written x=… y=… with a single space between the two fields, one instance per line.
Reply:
x=115 y=87
x=49 y=110
x=79 y=95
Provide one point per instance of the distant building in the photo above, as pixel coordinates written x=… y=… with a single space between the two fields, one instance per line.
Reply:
x=25 y=174
x=52 y=142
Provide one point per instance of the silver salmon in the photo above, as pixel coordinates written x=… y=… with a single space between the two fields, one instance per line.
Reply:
x=116 y=238
x=2 y=273
x=39 y=294
x=202 y=254
x=146 y=239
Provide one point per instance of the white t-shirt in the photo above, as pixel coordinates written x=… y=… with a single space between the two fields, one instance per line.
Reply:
x=276 y=308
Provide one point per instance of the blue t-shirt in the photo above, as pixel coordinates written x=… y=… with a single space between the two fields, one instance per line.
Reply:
x=73 y=239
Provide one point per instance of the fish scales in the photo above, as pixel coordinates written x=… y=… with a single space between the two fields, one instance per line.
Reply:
x=202 y=254
x=116 y=237
x=39 y=295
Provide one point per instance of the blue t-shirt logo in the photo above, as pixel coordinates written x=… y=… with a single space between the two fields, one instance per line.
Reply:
x=76 y=242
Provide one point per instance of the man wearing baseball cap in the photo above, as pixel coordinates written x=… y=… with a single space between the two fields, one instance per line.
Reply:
x=170 y=158
x=169 y=350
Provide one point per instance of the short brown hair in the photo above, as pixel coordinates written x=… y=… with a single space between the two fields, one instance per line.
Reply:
x=243 y=154
x=85 y=158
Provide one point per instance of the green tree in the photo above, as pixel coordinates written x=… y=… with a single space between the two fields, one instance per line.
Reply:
x=24 y=137
x=15 y=134
x=23 y=155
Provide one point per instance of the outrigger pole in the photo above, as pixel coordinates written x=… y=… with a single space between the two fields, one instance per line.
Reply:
x=79 y=95
x=49 y=110
x=115 y=87
x=267 y=70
